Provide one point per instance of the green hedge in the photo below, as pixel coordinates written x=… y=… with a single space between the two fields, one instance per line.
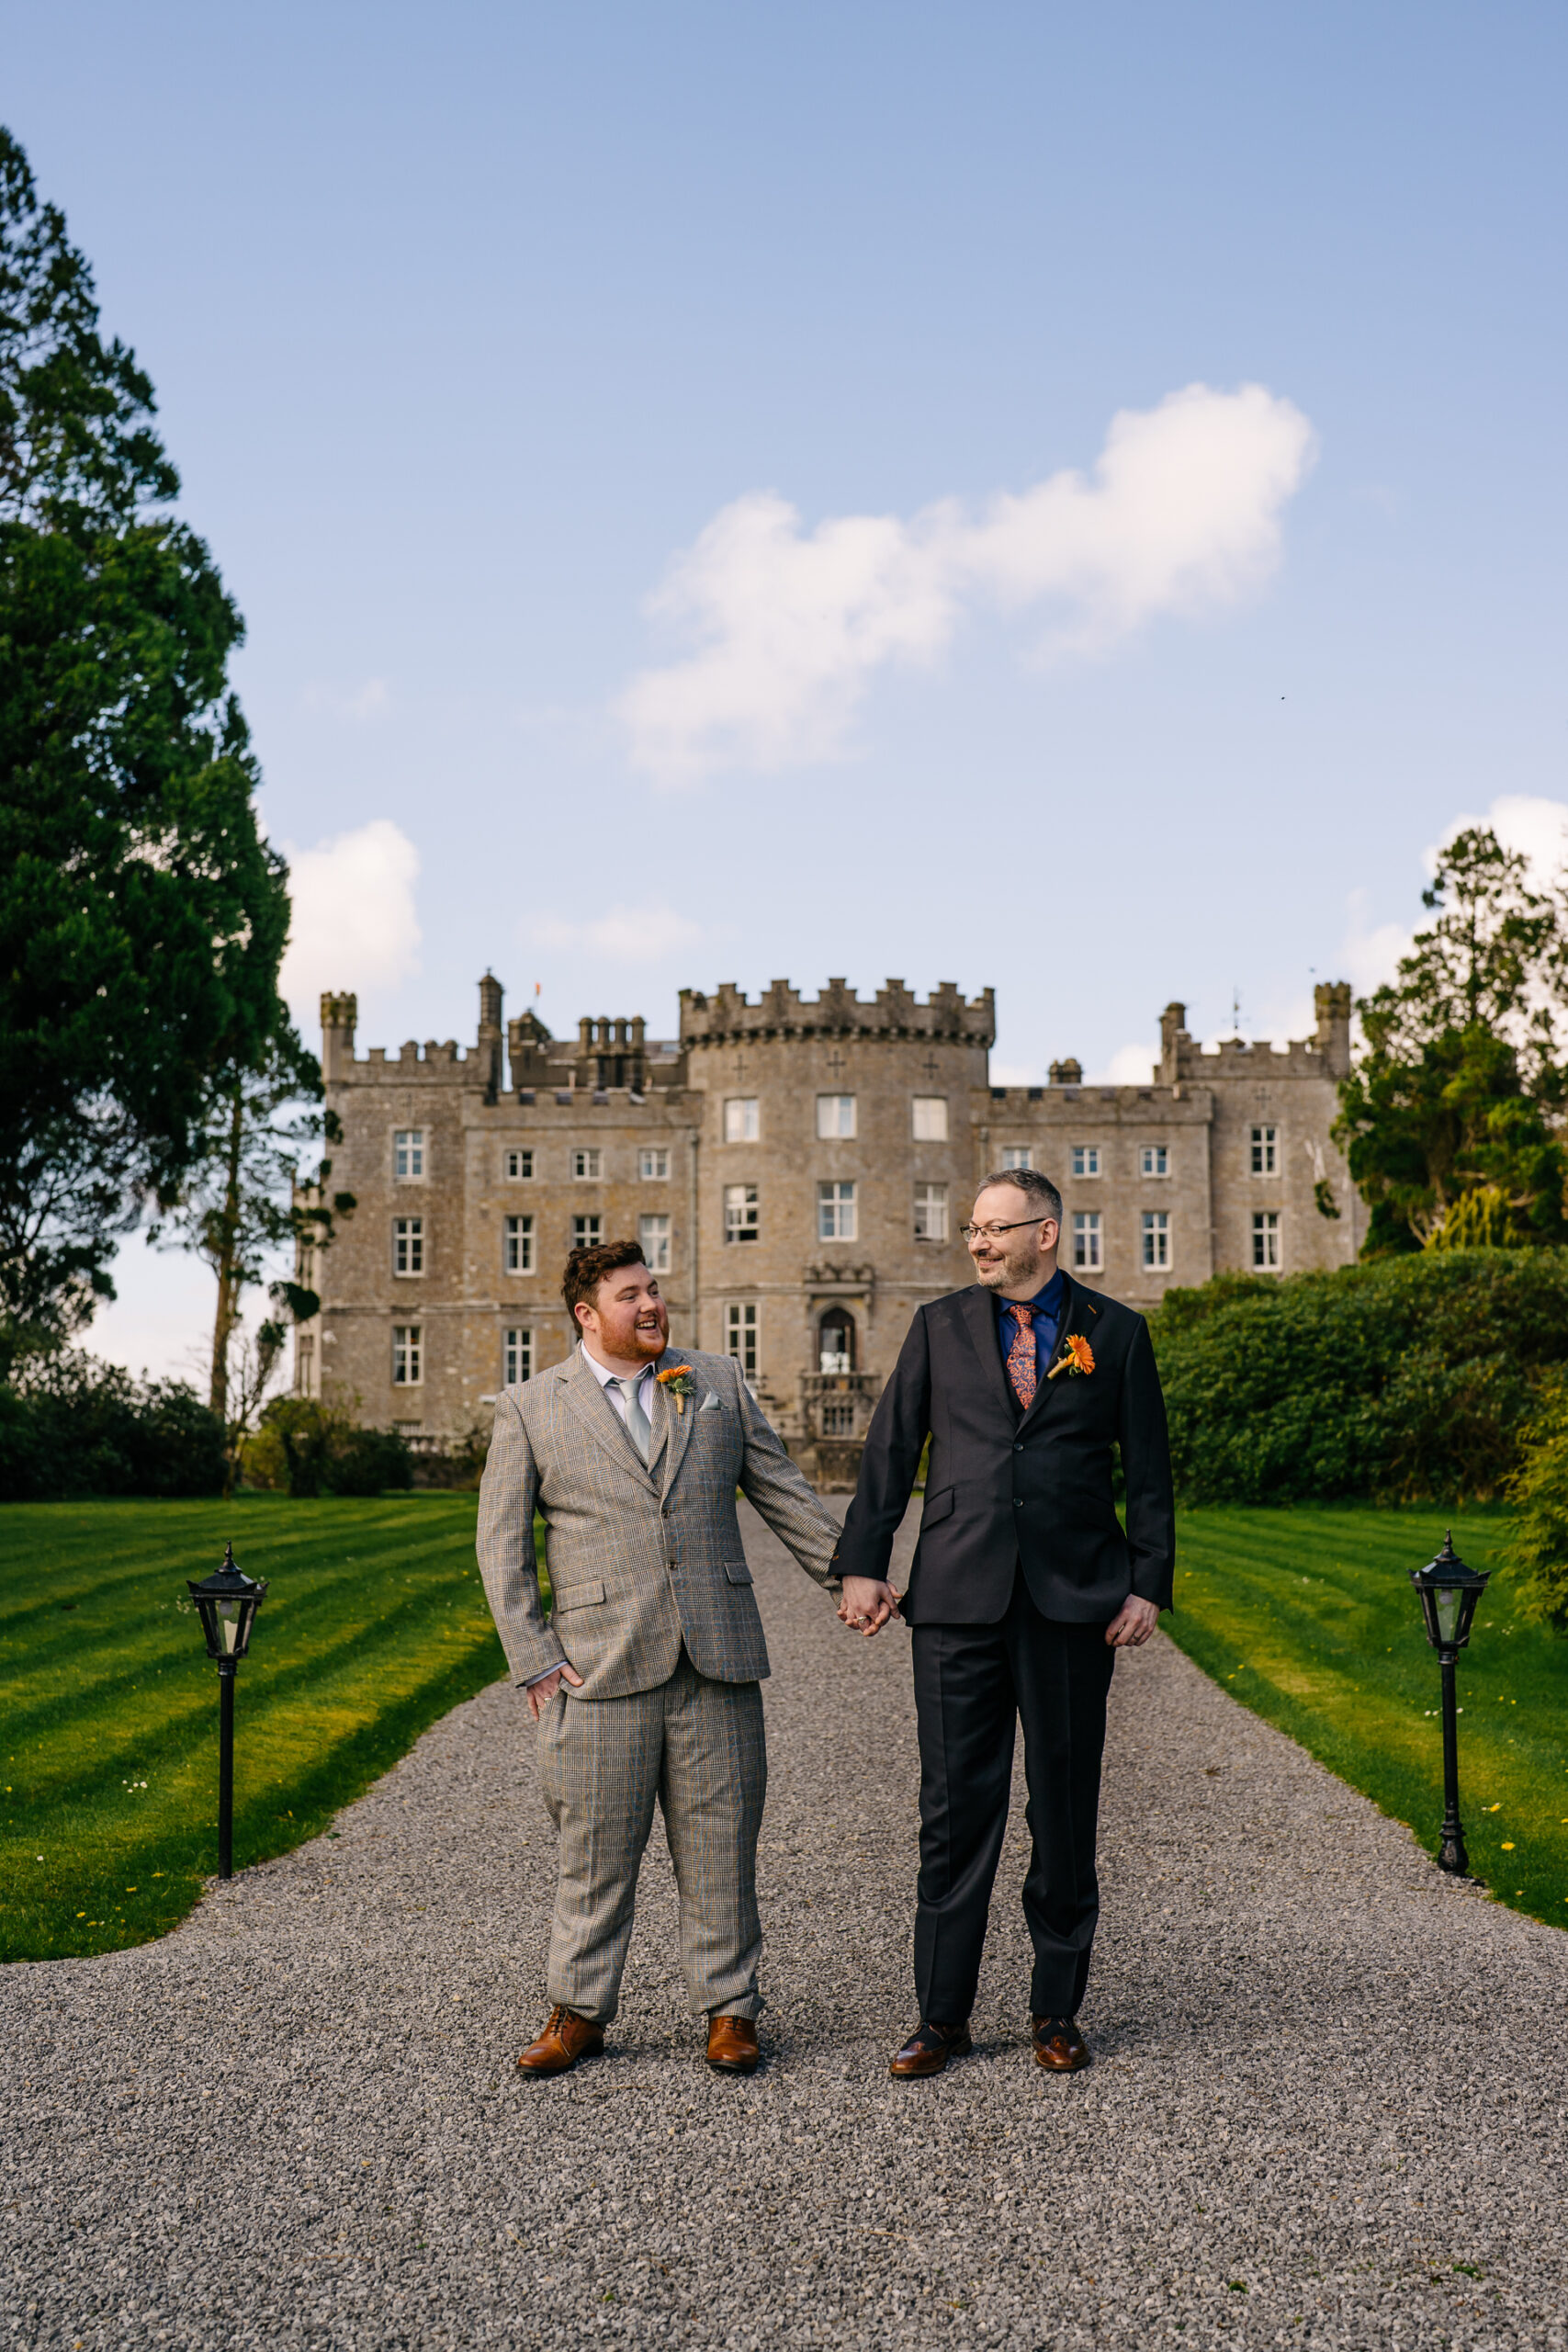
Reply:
x=1406 y=1379
x=71 y=1426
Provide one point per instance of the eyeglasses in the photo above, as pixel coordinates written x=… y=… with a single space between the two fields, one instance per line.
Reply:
x=973 y=1233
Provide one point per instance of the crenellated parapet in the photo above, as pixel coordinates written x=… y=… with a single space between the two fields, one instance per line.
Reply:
x=1325 y=1053
x=727 y=1016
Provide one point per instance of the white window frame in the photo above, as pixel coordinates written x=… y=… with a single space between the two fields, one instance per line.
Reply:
x=408 y=1355
x=837 y=1210
x=742 y=1212
x=1264 y=1153
x=838 y=1415
x=586 y=1164
x=408 y=1155
x=516 y=1355
x=928 y=1118
x=517 y=1167
x=1088 y=1241
x=656 y=1234
x=1154 y=1161
x=835 y=1118
x=1155 y=1234
x=930 y=1212
x=517 y=1245
x=408 y=1248
x=1085 y=1161
x=653 y=1164
x=742 y=1119
x=742 y=1334
x=588 y=1230
x=1267 y=1242
x=1018 y=1154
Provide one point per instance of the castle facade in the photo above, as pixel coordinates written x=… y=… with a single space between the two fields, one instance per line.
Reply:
x=796 y=1169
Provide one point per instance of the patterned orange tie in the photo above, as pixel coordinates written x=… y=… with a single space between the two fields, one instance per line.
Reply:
x=1022 y=1370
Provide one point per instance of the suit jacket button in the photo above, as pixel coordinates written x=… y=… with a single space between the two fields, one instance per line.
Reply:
x=1019 y=1446
x=1018 y=1502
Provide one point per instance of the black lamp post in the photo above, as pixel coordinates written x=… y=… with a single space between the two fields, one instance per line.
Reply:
x=228 y=1601
x=1448 y=1592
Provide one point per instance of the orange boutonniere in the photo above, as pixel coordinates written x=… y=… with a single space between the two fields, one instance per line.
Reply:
x=1076 y=1356
x=678 y=1382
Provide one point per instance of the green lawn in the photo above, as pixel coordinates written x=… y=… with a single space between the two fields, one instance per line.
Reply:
x=375 y=1625
x=1308 y=1617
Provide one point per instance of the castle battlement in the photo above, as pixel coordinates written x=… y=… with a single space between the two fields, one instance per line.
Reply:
x=728 y=1016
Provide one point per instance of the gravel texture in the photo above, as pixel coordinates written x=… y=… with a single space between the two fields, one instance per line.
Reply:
x=1327 y=2106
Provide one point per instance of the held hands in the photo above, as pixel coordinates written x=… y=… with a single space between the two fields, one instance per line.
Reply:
x=866 y=1605
x=541 y=1693
x=1133 y=1624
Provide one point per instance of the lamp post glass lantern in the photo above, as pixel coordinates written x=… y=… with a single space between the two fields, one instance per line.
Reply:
x=227 y=1602
x=1449 y=1591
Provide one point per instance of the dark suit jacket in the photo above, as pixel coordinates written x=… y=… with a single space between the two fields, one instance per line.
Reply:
x=1005 y=1487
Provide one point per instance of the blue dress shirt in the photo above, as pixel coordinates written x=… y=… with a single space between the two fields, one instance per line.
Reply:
x=1045 y=1315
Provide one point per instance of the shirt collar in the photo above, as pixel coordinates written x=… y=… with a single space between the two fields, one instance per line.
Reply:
x=1046 y=1302
x=605 y=1377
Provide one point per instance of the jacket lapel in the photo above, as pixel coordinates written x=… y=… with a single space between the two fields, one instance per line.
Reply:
x=980 y=1321
x=672 y=1424
x=599 y=1417
x=1077 y=1314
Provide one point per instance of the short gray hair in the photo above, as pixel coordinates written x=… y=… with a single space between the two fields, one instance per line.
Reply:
x=1048 y=1201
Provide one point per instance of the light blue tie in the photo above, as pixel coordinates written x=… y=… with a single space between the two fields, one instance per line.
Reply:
x=638 y=1423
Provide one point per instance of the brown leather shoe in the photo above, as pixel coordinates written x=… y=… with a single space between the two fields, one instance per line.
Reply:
x=1059 y=2045
x=732 y=2045
x=565 y=2039
x=929 y=2048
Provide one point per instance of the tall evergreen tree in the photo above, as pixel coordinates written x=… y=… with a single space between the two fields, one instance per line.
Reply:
x=142 y=916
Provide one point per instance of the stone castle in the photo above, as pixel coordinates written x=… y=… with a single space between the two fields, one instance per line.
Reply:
x=796 y=1169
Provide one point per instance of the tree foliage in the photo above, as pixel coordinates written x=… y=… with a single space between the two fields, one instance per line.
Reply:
x=1451 y=1119
x=142 y=916
x=71 y=1426
x=1537 y=1546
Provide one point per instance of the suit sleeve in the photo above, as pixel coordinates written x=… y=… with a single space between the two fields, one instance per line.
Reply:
x=508 y=1492
x=894 y=1444
x=1145 y=1462
x=782 y=1496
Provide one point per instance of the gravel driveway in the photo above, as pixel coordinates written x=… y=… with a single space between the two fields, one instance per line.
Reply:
x=1329 y=2106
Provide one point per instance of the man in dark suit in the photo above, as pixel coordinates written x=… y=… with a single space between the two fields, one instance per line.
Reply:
x=1023 y=1588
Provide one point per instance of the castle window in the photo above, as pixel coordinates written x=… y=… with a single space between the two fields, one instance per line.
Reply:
x=587 y=1232
x=1266 y=1256
x=1088 y=1241
x=836 y=1212
x=1154 y=1160
x=1266 y=1151
x=408 y=1245
x=1157 y=1240
x=835 y=1115
x=741 y=1335
x=836 y=1342
x=517 y=1245
x=653 y=1232
x=741 y=1217
x=1086 y=1159
x=518 y=1167
x=516 y=1356
x=653 y=1164
x=837 y=1416
x=588 y=1161
x=741 y=1121
x=930 y=1119
x=1017 y=1155
x=408 y=1354
x=930 y=1212
x=408 y=1155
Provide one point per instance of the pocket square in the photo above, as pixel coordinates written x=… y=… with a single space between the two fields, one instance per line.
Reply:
x=710 y=1404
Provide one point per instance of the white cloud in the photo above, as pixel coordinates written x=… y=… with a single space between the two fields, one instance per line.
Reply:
x=626 y=934
x=361 y=703
x=1182 y=512
x=1128 y=1065
x=355 y=921
x=1537 y=828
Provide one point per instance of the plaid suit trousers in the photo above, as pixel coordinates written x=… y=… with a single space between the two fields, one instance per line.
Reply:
x=695 y=1746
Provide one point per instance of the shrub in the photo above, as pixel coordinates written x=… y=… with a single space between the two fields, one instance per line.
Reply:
x=307 y=1445
x=71 y=1426
x=1403 y=1379
x=1537 y=1545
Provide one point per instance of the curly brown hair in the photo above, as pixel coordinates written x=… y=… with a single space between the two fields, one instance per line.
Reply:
x=586 y=1269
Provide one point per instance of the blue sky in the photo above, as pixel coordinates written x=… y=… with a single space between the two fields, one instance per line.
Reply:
x=470 y=325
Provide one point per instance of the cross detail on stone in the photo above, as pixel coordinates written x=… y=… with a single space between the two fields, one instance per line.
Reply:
x=740 y=1070
x=836 y=1062
x=930 y=1065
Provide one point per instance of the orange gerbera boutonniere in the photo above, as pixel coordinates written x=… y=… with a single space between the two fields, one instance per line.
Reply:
x=677 y=1382
x=1076 y=1356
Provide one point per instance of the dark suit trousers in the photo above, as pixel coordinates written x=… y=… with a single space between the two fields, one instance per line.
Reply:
x=972 y=1684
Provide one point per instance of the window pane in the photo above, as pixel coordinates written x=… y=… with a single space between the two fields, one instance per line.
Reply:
x=587 y=1160
x=519 y=1166
x=1266 y=1240
x=654 y=1166
x=741 y=1124
x=1157 y=1238
x=586 y=1232
x=1153 y=1160
x=408 y=1245
x=1087 y=1244
x=408 y=1355
x=1017 y=1155
x=930 y=1212
x=1086 y=1159
x=516 y=1357
x=931 y=1118
x=407 y=1151
x=835 y=1115
x=517 y=1245
x=1265 y=1151
x=653 y=1232
x=741 y=1335
x=836 y=1212
x=741 y=1217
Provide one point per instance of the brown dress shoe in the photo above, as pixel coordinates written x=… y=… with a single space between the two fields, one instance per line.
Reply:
x=732 y=2045
x=1059 y=2045
x=929 y=2048
x=565 y=2039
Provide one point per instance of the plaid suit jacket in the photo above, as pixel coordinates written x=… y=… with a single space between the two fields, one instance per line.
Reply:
x=641 y=1557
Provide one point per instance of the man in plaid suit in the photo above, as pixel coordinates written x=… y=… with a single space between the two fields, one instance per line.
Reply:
x=645 y=1677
